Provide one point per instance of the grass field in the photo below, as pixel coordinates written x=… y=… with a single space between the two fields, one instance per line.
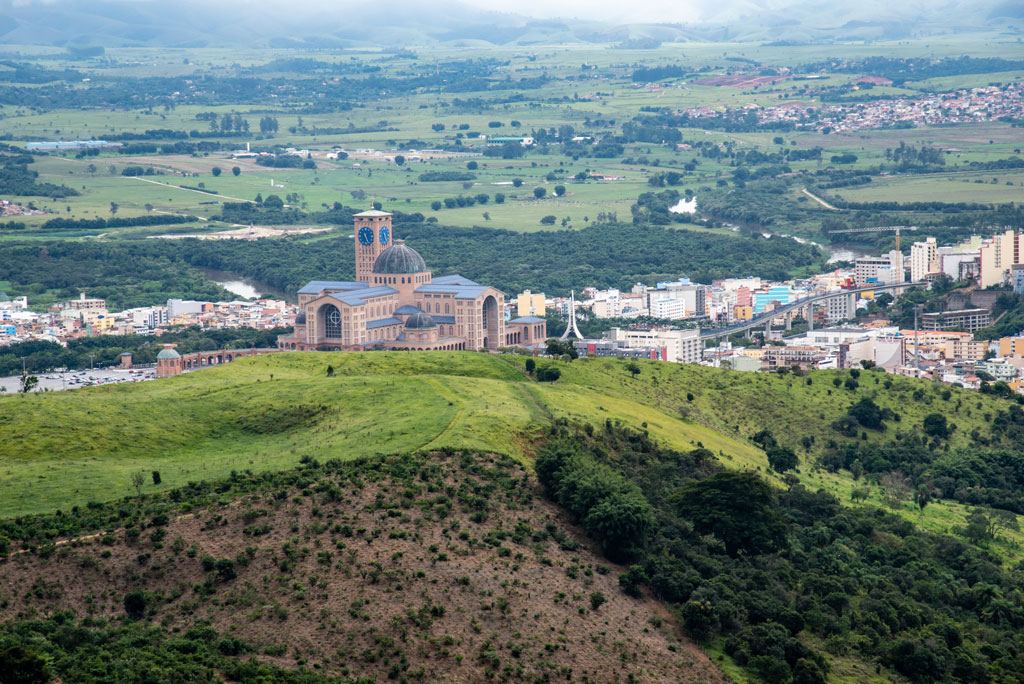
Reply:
x=67 y=448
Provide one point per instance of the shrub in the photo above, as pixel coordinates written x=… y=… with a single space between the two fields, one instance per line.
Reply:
x=135 y=604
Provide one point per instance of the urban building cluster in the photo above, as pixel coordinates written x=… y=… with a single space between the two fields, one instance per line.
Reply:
x=941 y=347
x=968 y=105
x=88 y=317
x=9 y=208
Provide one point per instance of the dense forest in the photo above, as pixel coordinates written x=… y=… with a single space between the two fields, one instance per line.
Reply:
x=143 y=272
x=770 y=575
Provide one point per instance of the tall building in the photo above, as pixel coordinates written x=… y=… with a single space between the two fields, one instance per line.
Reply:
x=530 y=304
x=923 y=259
x=998 y=255
x=780 y=294
x=884 y=270
x=396 y=303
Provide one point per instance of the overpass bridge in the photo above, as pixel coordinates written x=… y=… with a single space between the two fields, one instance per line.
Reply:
x=789 y=309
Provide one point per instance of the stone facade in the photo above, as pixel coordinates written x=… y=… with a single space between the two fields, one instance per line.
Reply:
x=396 y=303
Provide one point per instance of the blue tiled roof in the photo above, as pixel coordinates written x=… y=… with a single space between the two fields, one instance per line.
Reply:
x=527 y=319
x=381 y=322
x=317 y=286
x=360 y=296
x=460 y=291
x=443 y=319
x=407 y=310
x=452 y=280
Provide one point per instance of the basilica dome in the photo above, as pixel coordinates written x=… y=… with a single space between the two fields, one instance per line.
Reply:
x=399 y=259
x=420 y=321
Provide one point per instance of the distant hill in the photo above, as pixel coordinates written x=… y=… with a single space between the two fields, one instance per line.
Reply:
x=401 y=23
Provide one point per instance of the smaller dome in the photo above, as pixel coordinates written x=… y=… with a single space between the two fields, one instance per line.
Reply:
x=420 y=321
x=168 y=354
x=300 y=318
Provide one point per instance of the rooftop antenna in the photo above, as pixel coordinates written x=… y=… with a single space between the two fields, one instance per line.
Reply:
x=571 y=327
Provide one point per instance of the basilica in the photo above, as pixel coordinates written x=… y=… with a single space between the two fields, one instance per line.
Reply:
x=395 y=303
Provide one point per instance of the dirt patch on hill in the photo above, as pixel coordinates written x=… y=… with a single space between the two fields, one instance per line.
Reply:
x=432 y=568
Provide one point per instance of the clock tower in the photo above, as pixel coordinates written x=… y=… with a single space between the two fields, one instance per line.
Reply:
x=373 y=236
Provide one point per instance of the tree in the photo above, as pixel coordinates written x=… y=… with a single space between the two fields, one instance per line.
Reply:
x=539 y=192
x=216 y=171
x=531 y=365
x=148 y=207
x=597 y=600
x=782 y=458
x=737 y=507
x=113 y=208
x=399 y=159
x=867 y=413
x=922 y=497
x=235 y=171
x=472 y=165
x=156 y=477
x=499 y=198
x=633 y=369
x=330 y=371
x=548 y=220
x=851 y=384
x=273 y=202
x=28 y=382
x=19 y=665
x=135 y=604
x=137 y=481
x=936 y=425
x=436 y=205
x=559 y=190
x=548 y=374
x=517 y=183
x=857 y=470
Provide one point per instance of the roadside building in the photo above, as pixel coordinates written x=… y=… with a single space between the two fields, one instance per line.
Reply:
x=968 y=320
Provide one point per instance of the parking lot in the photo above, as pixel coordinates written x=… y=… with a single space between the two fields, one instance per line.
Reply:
x=79 y=378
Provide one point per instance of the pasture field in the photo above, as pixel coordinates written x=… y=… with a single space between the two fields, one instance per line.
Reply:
x=68 y=448
x=996 y=187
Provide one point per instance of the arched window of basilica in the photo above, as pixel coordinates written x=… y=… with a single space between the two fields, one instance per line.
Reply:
x=332 y=322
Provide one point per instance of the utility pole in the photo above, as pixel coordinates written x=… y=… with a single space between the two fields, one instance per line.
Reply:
x=917 y=346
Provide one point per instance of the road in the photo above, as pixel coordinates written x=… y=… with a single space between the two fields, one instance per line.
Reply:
x=819 y=200
x=764 y=319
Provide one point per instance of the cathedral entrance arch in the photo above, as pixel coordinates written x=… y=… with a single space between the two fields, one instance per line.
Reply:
x=329 y=319
x=490 y=322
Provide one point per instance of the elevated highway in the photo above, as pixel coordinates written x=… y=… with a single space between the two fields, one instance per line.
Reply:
x=765 y=319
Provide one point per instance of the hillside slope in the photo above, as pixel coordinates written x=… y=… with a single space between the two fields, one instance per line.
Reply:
x=433 y=568
x=70 y=448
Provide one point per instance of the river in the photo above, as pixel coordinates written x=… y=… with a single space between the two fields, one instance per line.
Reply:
x=247 y=288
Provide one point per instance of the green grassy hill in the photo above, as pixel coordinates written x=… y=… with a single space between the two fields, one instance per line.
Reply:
x=69 y=448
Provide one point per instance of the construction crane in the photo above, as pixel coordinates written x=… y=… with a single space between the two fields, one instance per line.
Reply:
x=877 y=229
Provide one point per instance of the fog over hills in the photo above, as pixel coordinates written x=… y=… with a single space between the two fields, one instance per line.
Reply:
x=328 y=23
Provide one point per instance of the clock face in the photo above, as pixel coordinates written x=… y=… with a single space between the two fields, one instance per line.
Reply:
x=365 y=236
x=385 y=235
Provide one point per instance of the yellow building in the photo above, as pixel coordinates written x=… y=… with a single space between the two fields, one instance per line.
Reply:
x=966 y=349
x=743 y=313
x=1011 y=346
x=530 y=304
